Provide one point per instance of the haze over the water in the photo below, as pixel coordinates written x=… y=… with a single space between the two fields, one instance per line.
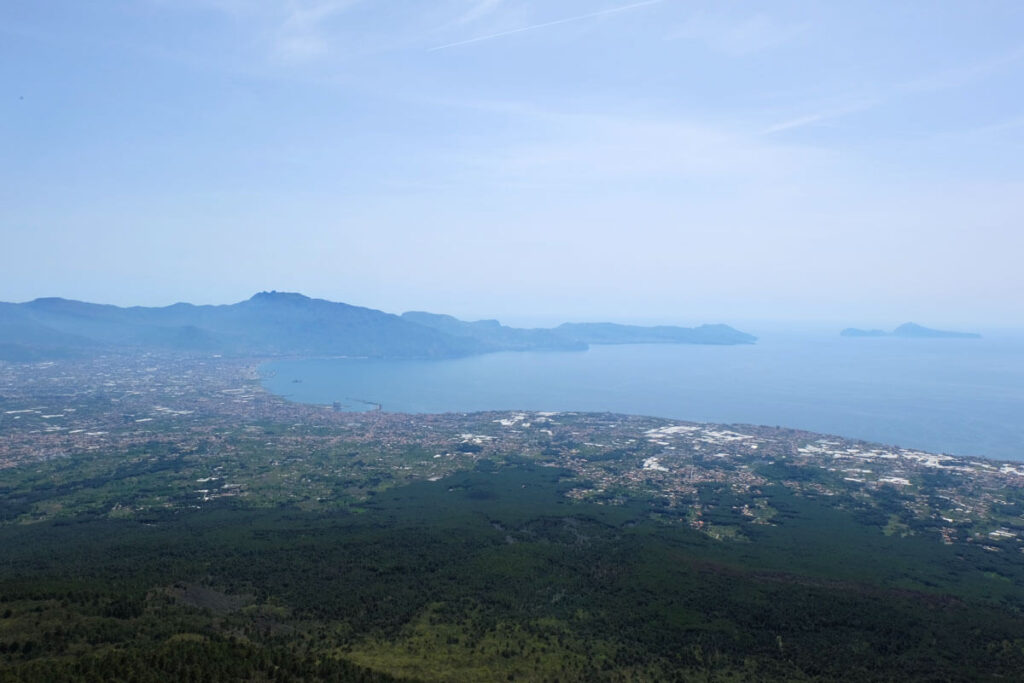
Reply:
x=661 y=160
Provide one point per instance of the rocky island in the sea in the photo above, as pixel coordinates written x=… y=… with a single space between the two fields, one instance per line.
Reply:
x=910 y=331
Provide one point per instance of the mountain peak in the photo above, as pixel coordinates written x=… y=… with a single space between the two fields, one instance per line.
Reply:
x=273 y=323
x=274 y=296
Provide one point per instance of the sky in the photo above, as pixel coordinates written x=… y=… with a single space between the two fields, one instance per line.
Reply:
x=528 y=160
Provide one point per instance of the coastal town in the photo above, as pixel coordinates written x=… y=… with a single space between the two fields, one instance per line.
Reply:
x=155 y=432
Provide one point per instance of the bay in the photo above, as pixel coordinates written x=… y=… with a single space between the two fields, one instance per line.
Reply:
x=963 y=397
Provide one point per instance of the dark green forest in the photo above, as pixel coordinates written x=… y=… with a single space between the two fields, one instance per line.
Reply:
x=493 y=574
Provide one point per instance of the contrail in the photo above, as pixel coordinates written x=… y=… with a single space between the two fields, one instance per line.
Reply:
x=612 y=10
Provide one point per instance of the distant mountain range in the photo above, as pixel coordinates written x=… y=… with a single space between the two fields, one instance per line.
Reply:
x=911 y=331
x=288 y=324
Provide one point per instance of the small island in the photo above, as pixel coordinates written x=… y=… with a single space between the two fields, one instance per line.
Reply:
x=910 y=331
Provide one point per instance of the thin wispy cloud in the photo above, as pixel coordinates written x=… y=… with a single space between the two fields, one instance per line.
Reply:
x=301 y=35
x=547 y=24
x=948 y=79
x=819 y=117
x=1001 y=126
x=291 y=30
x=964 y=75
x=479 y=10
x=739 y=37
x=552 y=148
x=799 y=122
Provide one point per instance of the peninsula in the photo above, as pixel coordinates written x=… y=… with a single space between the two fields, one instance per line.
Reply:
x=275 y=324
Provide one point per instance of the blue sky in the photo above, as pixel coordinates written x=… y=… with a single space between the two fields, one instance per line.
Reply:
x=662 y=160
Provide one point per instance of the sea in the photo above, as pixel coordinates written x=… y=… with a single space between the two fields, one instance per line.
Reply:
x=954 y=396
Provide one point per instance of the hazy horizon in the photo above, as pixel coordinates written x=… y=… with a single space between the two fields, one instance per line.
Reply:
x=761 y=325
x=510 y=159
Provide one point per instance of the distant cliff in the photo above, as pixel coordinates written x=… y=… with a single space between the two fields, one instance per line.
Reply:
x=611 y=333
x=279 y=323
x=910 y=331
x=577 y=336
x=495 y=336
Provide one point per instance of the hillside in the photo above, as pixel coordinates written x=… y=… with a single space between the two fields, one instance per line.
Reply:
x=289 y=324
x=495 y=336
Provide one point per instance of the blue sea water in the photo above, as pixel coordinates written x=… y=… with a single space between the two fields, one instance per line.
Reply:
x=957 y=396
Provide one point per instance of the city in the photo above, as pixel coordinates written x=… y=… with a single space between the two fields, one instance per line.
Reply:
x=199 y=429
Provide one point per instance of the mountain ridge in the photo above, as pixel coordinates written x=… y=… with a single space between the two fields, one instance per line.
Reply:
x=272 y=323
